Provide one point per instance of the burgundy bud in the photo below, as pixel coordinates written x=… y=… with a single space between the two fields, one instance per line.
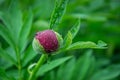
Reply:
x=47 y=40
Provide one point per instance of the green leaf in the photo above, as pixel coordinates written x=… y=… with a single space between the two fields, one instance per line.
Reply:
x=59 y=72
x=92 y=68
x=88 y=44
x=50 y=76
x=11 y=52
x=68 y=69
x=107 y=74
x=7 y=57
x=25 y=30
x=3 y=75
x=101 y=43
x=12 y=18
x=13 y=74
x=58 y=12
x=5 y=64
x=4 y=17
x=15 y=17
x=53 y=64
x=7 y=36
x=82 y=66
x=75 y=28
x=28 y=55
x=71 y=34
x=68 y=40
x=86 y=61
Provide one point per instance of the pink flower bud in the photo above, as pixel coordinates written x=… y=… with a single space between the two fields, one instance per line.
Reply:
x=47 y=40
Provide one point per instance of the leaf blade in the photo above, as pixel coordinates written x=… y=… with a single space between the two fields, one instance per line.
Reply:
x=7 y=36
x=28 y=56
x=52 y=65
x=109 y=73
x=74 y=30
x=82 y=66
x=7 y=57
x=68 y=40
x=87 y=44
x=58 y=12
x=25 y=30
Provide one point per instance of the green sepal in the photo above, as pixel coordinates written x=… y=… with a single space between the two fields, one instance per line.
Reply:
x=60 y=39
x=37 y=46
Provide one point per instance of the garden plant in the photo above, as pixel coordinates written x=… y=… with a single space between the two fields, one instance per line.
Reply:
x=58 y=48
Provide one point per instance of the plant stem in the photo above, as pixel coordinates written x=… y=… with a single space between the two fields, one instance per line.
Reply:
x=19 y=67
x=19 y=63
x=38 y=65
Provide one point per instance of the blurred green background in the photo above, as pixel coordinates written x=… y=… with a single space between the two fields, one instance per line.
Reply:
x=100 y=20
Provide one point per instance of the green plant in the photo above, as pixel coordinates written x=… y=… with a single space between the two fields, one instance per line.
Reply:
x=55 y=19
x=86 y=67
x=16 y=28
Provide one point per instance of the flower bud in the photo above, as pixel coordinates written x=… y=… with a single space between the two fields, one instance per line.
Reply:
x=47 y=41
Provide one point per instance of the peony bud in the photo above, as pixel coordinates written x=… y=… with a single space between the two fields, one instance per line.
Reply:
x=47 y=41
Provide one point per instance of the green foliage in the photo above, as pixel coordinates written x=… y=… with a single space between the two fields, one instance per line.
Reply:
x=67 y=40
x=3 y=75
x=71 y=34
x=25 y=30
x=58 y=12
x=53 y=64
x=15 y=30
x=106 y=74
x=82 y=66
x=28 y=56
x=7 y=57
x=95 y=20
x=85 y=68
x=75 y=28
x=7 y=36
x=88 y=44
